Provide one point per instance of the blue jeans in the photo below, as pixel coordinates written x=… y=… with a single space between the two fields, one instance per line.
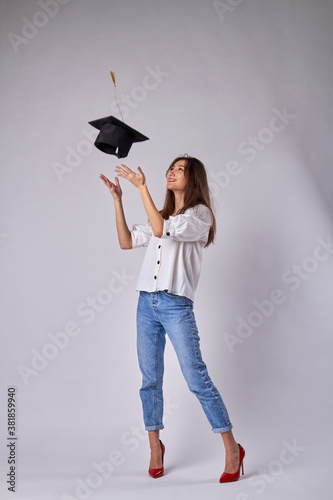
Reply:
x=159 y=313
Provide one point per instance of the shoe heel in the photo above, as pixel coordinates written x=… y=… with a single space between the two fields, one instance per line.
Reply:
x=242 y=469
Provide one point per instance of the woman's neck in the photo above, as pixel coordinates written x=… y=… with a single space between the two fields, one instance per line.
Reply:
x=179 y=201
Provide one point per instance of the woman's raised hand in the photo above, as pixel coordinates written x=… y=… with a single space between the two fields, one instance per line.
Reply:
x=115 y=189
x=137 y=179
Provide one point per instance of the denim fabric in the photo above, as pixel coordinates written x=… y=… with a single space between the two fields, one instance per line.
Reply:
x=159 y=313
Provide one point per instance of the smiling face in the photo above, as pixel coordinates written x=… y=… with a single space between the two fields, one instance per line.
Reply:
x=176 y=180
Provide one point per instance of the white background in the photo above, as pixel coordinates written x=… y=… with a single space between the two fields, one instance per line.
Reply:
x=226 y=72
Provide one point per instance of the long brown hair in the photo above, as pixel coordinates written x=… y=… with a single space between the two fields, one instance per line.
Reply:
x=196 y=192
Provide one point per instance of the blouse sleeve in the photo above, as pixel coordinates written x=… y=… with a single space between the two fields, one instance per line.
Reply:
x=141 y=235
x=193 y=225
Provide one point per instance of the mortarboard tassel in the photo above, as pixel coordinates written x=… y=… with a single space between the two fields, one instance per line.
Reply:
x=113 y=76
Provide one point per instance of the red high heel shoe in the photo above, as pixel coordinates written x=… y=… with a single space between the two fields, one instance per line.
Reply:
x=158 y=472
x=226 y=476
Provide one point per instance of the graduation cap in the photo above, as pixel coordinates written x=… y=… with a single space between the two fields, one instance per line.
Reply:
x=115 y=137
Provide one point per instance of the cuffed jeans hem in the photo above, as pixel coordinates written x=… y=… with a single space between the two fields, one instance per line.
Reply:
x=223 y=429
x=154 y=427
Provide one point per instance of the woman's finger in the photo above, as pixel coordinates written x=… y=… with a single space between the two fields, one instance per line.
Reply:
x=108 y=183
x=125 y=170
x=121 y=171
x=125 y=167
x=105 y=179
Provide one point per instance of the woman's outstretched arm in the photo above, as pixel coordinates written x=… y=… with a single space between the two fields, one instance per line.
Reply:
x=139 y=181
x=124 y=235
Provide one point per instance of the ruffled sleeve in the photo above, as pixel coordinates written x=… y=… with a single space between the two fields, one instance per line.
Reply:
x=141 y=235
x=193 y=225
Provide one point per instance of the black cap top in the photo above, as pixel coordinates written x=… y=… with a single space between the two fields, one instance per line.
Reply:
x=115 y=137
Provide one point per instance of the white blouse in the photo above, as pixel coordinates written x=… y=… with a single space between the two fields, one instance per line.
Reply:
x=173 y=262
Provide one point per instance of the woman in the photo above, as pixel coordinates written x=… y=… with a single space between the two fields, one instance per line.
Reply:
x=169 y=276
